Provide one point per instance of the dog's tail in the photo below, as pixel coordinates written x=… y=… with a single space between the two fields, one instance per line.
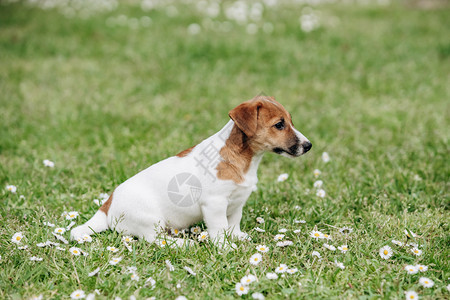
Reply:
x=98 y=223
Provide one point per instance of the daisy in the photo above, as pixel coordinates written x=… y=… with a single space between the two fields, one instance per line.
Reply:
x=386 y=252
x=325 y=157
x=299 y=221
x=11 y=188
x=422 y=268
x=241 y=289
x=150 y=281
x=41 y=245
x=127 y=238
x=318 y=184
x=278 y=237
x=85 y=238
x=329 y=247
x=75 y=251
x=416 y=252
x=326 y=236
x=78 y=294
x=134 y=277
x=48 y=163
x=346 y=230
x=60 y=249
x=260 y=220
x=426 y=282
x=411 y=295
x=60 y=237
x=40 y=297
x=412 y=245
x=282 y=230
x=35 y=258
x=258 y=296
x=59 y=230
x=321 y=193
x=297 y=231
x=407 y=234
x=417 y=178
x=22 y=247
x=282 y=177
x=255 y=259
x=93 y=273
x=259 y=229
x=112 y=249
x=398 y=243
x=203 y=236
x=48 y=224
x=316 y=254
x=298 y=207
x=103 y=196
x=317 y=173
x=315 y=234
x=17 y=237
x=196 y=230
x=115 y=260
x=411 y=269
x=339 y=265
x=175 y=231
x=262 y=248
x=162 y=243
x=272 y=276
x=72 y=215
x=285 y=243
x=190 y=271
x=292 y=271
x=246 y=280
x=281 y=269
x=343 y=248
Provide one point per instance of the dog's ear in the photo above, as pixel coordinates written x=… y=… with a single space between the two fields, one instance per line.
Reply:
x=245 y=116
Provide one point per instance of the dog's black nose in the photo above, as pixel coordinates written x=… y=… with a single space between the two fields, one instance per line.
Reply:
x=306 y=146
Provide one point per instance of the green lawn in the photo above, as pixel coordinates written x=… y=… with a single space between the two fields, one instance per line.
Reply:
x=104 y=92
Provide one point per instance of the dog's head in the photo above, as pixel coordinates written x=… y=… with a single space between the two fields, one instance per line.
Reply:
x=268 y=127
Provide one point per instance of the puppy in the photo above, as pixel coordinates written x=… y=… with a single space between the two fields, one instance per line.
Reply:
x=210 y=181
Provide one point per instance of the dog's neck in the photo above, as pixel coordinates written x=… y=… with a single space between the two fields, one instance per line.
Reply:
x=238 y=157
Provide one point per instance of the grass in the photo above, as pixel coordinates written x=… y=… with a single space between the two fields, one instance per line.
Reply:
x=370 y=86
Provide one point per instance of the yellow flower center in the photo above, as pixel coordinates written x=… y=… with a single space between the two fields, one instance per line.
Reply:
x=203 y=236
x=411 y=297
x=75 y=251
x=241 y=288
x=325 y=235
x=176 y=231
x=256 y=259
x=426 y=281
x=72 y=216
x=77 y=295
x=18 y=238
x=345 y=248
x=385 y=252
x=416 y=251
x=164 y=242
x=421 y=268
x=316 y=234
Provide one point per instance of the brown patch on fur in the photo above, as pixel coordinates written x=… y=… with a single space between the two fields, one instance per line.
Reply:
x=105 y=207
x=185 y=152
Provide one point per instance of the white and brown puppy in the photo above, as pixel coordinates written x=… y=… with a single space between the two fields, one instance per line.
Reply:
x=210 y=181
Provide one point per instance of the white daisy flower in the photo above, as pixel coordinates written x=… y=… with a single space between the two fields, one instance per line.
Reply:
x=339 y=264
x=297 y=207
x=169 y=265
x=329 y=247
x=416 y=251
x=259 y=229
x=115 y=260
x=258 y=296
x=422 y=268
x=285 y=243
x=272 y=276
x=103 y=196
x=40 y=297
x=85 y=238
x=112 y=249
x=41 y=245
x=262 y=248
x=17 y=237
x=72 y=215
x=408 y=235
x=417 y=178
x=163 y=243
x=23 y=247
x=325 y=157
x=48 y=224
x=93 y=273
x=326 y=236
x=411 y=269
x=282 y=177
x=128 y=239
x=321 y=193
x=60 y=248
x=96 y=202
x=260 y=220
x=412 y=245
x=78 y=294
x=346 y=230
x=241 y=289
x=255 y=259
x=398 y=243
x=48 y=163
x=317 y=173
x=150 y=281
x=131 y=269
x=278 y=237
x=75 y=251
x=318 y=184
x=175 y=231
x=411 y=295
x=281 y=268
x=60 y=238
x=316 y=254
x=59 y=230
x=297 y=231
x=292 y=271
x=180 y=297
x=203 y=236
x=11 y=188
x=190 y=271
x=315 y=234
x=134 y=277
x=299 y=221
x=386 y=252
x=196 y=230
x=282 y=230
x=343 y=248
x=246 y=280
x=426 y=282
x=35 y=258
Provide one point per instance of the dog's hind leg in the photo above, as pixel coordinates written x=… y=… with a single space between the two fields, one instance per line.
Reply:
x=97 y=223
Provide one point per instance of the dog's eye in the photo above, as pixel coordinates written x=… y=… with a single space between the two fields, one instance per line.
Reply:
x=279 y=125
